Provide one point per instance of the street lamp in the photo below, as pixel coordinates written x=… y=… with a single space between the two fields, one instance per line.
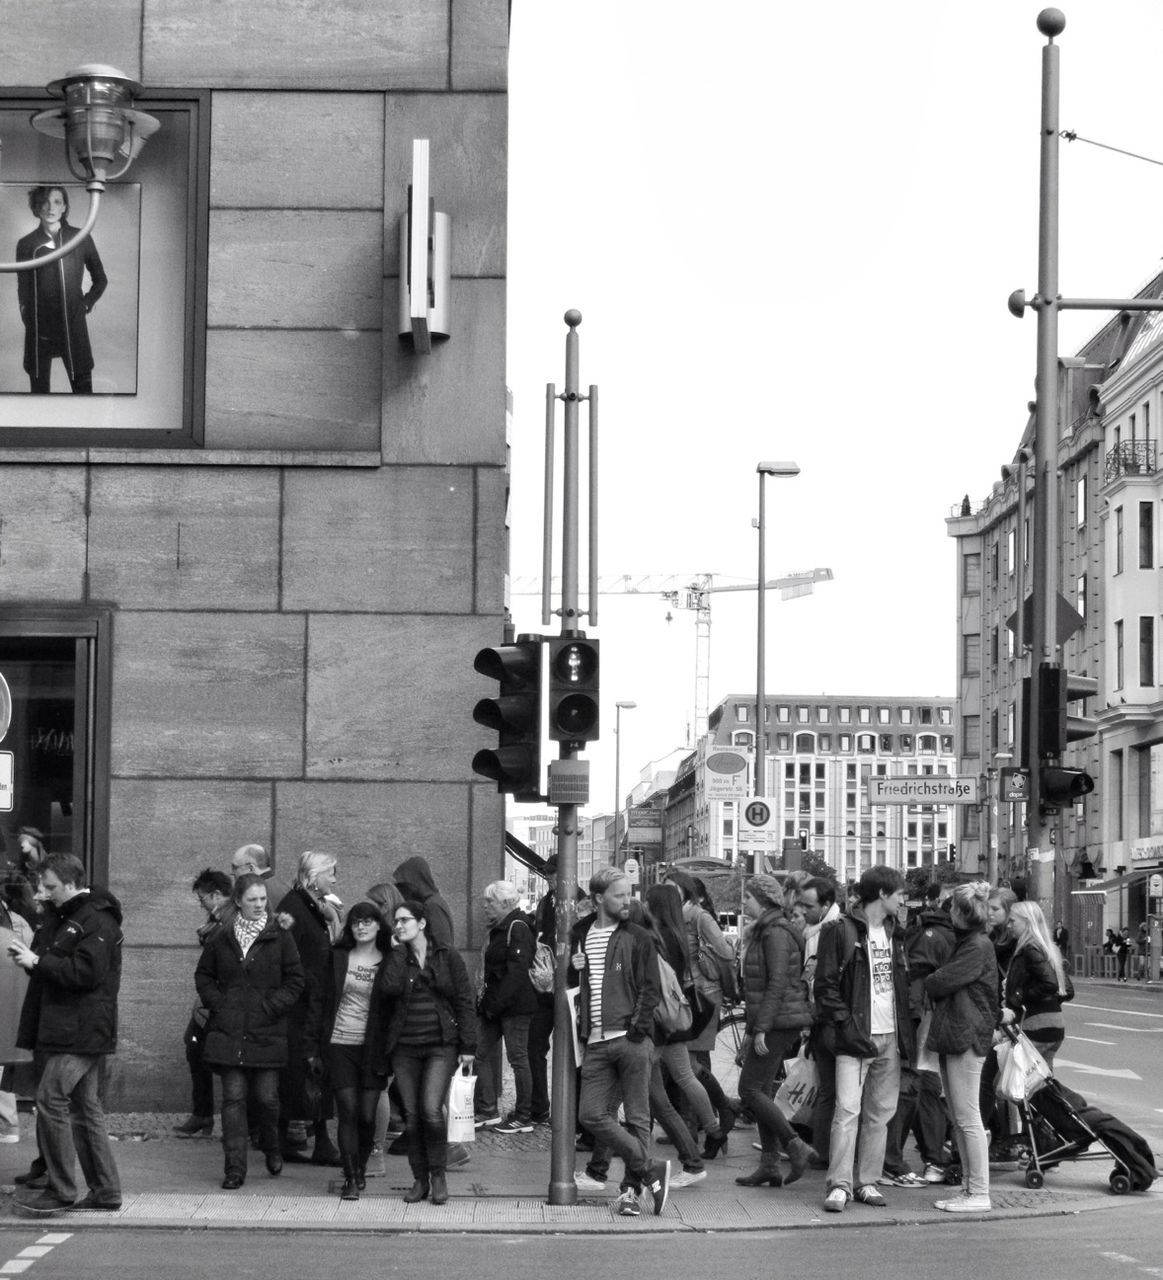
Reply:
x=619 y=708
x=764 y=469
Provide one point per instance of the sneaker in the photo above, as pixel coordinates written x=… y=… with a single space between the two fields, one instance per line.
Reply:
x=9 y=1134
x=906 y=1179
x=657 y=1185
x=933 y=1173
x=687 y=1178
x=487 y=1121
x=91 y=1204
x=626 y=1205
x=966 y=1204
x=375 y=1162
x=868 y=1194
x=836 y=1200
x=591 y=1186
x=515 y=1125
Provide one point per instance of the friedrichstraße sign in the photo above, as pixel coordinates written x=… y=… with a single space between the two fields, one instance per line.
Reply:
x=925 y=788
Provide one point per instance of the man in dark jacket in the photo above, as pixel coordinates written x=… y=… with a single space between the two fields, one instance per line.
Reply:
x=861 y=992
x=414 y=880
x=69 y=1020
x=615 y=964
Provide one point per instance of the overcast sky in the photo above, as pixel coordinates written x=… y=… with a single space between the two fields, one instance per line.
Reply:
x=791 y=230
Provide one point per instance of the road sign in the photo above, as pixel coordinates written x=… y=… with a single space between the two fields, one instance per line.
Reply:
x=1015 y=785
x=7 y=791
x=630 y=866
x=725 y=775
x=925 y=788
x=1155 y=886
x=758 y=824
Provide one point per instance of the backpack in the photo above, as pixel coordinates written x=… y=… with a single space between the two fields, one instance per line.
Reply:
x=673 y=1015
x=543 y=969
x=716 y=968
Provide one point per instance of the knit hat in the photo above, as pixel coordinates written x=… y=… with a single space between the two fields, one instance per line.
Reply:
x=766 y=889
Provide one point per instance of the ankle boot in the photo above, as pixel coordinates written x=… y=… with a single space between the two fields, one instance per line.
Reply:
x=350 y=1190
x=800 y=1154
x=417 y=1192
x=361 y=1170
x=768 y=1173
x=193 y=1125
x=439 y=1189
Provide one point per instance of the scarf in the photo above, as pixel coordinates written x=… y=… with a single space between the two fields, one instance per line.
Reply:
x=247 y=930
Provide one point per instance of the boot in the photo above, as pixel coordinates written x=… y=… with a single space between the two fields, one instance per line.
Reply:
x=350 y=1190
x=768 y=1172
x=325 y=1152
x=799 y=1153
x=439 y=1189
x=716 y=1141
x=194 y=1125
x=361 y=1169
x=417 y=1192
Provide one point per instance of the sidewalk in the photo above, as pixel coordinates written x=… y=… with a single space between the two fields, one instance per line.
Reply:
x=171 y=1182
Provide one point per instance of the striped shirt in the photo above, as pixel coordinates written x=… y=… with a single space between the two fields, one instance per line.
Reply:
x=597 y=944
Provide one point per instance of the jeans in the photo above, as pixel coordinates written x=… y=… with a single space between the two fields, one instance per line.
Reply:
x=825 y=1107
x=262 y=1086
x=613 y=1069
x=961 y=1076
x=423 y=1072
x=70 y=1120
x=540 y=1035
x=755 y=1081
x=674 y=1126
x=515 y=1032
x=201 y=1076
x=866 y=1096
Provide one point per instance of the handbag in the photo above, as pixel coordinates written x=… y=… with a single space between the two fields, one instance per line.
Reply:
x=461 y=1091
x=1022 y=1070
x=796 y=1097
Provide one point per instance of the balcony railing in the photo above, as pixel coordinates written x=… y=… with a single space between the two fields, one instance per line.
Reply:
x=1131 y=458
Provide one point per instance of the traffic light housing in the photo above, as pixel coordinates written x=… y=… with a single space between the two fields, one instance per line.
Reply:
x=517 y=714
x=1056 y=727
x=1060 y=788
x=573 y=690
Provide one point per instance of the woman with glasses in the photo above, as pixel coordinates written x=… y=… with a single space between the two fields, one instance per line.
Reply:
x=351 y=1039
x=430 y=1030
x=249 y=978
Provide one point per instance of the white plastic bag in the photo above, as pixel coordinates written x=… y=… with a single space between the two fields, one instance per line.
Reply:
x=461 y=1092
x=797 y=1094
x=1021 y=1069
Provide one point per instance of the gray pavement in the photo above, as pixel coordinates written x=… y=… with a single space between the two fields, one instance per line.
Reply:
x=170 y=1182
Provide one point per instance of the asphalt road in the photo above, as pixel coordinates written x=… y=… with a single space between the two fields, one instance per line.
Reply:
x=1113 y=1054
x=1115 y=1244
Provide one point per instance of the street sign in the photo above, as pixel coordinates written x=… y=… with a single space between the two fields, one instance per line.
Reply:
x=725 y=775
x=7 y=790
x=630 y=866
x=1155 y=886
x=758 y=824
x=925 y=788
x=1015 y=785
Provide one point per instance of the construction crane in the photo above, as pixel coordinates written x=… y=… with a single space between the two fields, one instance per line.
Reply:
x=687 y=591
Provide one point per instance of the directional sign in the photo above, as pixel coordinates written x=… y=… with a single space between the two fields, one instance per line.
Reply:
x=925 y=788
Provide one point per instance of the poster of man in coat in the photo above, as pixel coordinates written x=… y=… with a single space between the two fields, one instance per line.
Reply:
x=69 y=327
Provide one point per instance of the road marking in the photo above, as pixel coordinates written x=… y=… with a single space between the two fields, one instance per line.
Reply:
x=1087 y=1039
x=1115 y=1073
x=28 y=1255
x=1123 y=1013
x=1113 y=1026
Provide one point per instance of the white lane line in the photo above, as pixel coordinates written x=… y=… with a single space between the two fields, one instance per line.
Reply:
x=55 y=1237
x=1115 y=1073
x=1123 y=1013
x=14 y=1267
x=29 y=1254
x=1114 y=1026
x=1088 y=1040
x=35 y=1251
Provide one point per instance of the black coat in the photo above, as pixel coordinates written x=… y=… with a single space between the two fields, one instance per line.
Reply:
x=455 y=1002
x=71 y=1003
x=248 y=997
x=964 y=995
x=508 y=956
x=53 y=301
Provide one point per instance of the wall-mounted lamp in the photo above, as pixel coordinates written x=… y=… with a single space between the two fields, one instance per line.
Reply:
x=425 y=261
x=100 y=127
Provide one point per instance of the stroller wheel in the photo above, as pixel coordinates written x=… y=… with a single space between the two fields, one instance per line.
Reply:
x=1120 y=1183
x=1034 y=1178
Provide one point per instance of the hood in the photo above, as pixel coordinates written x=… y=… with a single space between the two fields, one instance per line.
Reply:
x=414 y=874
x=99 y=898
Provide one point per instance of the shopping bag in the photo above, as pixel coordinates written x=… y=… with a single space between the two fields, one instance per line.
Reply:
x=1021 y=1069
x=461 y=1091
x=927 y=1060
x=797 y=1095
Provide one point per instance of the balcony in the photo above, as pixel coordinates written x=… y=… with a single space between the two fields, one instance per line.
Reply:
x=1131 y=458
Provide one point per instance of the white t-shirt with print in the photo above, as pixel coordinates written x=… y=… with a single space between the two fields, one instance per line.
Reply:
x=880 y=965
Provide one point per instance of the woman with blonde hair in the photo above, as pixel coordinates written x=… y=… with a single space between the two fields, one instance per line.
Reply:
x=1035 y=985
x=964 y=997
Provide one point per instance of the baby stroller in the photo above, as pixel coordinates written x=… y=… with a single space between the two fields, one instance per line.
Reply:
x=1062 y=1126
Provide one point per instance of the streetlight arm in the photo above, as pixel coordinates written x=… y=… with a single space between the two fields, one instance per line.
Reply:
x=95 y=189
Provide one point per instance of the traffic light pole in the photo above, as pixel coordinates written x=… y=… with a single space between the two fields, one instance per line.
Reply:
x=1047 y=304
x=562 y=1187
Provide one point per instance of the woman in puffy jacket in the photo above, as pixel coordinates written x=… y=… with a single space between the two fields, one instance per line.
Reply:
x=430 y=1018
x=964 y=996
x=248 y=978
x=777 y=1012
x=1035 y=985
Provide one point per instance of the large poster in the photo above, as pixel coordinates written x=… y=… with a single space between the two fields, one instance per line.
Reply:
x=72 y=326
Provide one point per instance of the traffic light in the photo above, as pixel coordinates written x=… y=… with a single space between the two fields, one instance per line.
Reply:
x=573 y=689
x=516 y=713
x=1060 y=788
x=1056 y=690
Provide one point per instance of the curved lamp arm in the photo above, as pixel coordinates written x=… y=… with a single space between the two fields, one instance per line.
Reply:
x=95 y=189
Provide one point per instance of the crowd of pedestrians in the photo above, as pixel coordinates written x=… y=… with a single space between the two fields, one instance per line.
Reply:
x=306 y=1013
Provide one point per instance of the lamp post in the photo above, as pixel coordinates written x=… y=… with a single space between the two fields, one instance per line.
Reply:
x=619 y=708
x=764 y=469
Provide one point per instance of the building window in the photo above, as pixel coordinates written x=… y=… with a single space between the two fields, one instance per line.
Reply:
x=886 y=743
x=1115 y=794
x=742 y=712
x=866 y=743
x=846 y=742
x=743 y=739
x=1011 y=644
x=1011 y=550
x=844 y=714
x=926 y=715
x=850 y=772
x=970 y=733
x=906 y=715
x=1010 y=724
x=971 y=654
x=1146 y=535
x=908 y=743
x=823 y=714
x=944 y=716
x=993 y=563
x=821 y=771
x=789 y=770
x=1118 y=539
x=803 y=715
x=1080 y=500
x=1119 y=670
x=1080 y=596
x=783 y=715
x=806 y=743
x=783 y=741
x=1146 y=651
x=947 y=745
x=825 y=742
x=994 y=645
x=864 y=715
x=971 y=571
x=884 y=715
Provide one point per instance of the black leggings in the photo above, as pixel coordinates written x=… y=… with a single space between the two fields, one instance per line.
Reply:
x=355 y=1102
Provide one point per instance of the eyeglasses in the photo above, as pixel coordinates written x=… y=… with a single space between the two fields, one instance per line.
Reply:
x=399 y=920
